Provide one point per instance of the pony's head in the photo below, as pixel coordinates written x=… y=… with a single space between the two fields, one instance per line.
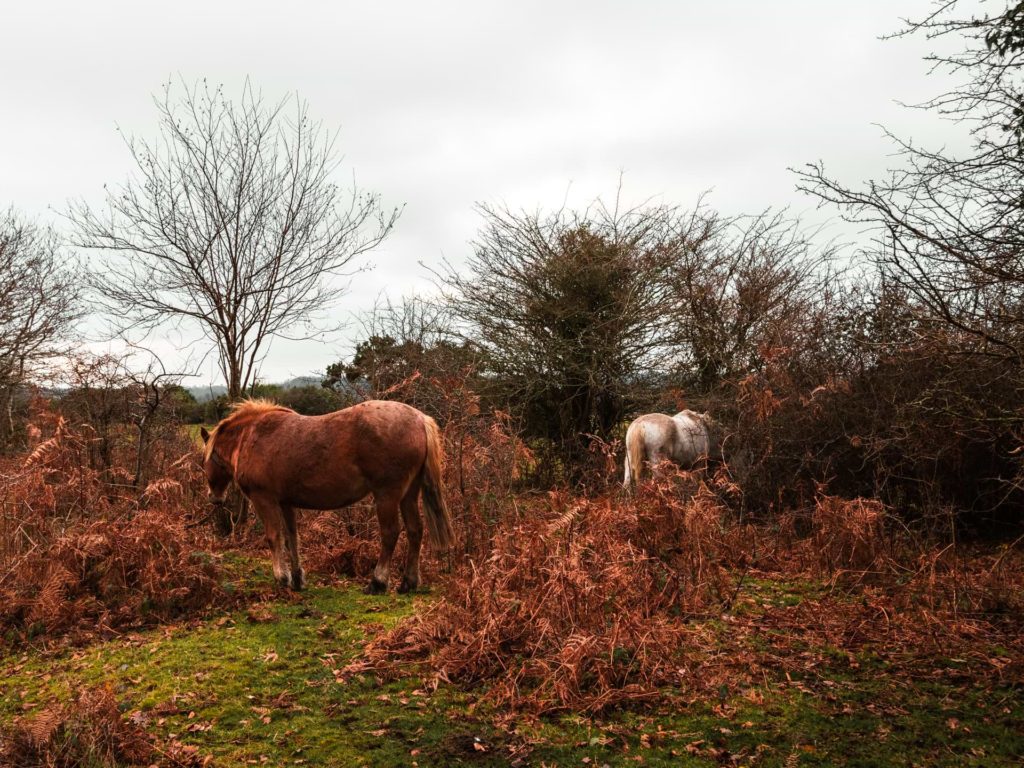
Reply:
x=216 y=467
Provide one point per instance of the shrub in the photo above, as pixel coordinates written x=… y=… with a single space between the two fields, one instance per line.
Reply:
x=81 y=552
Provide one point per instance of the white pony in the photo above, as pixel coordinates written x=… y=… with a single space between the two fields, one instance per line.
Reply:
x=683 y=439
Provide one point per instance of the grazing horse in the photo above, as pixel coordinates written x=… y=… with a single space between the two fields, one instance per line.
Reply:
x=683 y=439
x=282 y=461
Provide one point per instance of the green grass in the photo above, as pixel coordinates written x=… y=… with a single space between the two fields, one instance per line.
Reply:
x=193 y=431
x=853 y=723
x=266 y=692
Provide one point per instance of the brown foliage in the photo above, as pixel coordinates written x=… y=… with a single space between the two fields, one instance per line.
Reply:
x=109 y=573
x=962 y=584
x=578 y=603
x=89 y=732
x=82 y=553
x=848 y=533
x=873 y=401
x=569 y=603
x=344 y=543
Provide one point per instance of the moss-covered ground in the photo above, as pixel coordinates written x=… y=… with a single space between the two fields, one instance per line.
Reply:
x=262 y=686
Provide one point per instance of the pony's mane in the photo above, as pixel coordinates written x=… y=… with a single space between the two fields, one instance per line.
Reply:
x=240 y=411
x=253 y=406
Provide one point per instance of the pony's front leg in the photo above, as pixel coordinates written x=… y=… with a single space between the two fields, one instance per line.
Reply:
x=387 y=518
x=291 y=530
x=270 y=514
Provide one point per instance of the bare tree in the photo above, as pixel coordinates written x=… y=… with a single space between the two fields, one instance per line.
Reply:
x=986 y=57
x=97 y=396
x=39 y=303
x=949 y=227
x=232 y=224
x=414 y=318
x=152 y=388
x=747 y=286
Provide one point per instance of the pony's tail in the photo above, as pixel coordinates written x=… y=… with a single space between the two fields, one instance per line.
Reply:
x=634 y=454
x=439 y=523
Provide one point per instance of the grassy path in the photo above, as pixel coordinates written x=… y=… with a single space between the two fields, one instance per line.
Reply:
x=259 y=686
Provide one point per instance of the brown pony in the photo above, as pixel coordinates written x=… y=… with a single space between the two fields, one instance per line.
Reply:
x=282 y=461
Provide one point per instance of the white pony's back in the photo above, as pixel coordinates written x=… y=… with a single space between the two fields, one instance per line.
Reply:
x=693 y=436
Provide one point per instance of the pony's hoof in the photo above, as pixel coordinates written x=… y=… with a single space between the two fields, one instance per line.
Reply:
x=298 y=580
x=407 y=586
x=376 y=587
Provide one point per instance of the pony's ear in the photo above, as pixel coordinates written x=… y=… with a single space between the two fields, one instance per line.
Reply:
x=204 y=434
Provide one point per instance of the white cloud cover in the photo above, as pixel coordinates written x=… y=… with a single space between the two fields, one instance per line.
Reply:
x=443 y=104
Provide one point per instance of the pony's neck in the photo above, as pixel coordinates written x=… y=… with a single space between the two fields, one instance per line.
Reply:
x=225 y=440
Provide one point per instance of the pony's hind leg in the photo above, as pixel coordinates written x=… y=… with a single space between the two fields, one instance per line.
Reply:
x=414 y=531
x=390 y=527
x=291 y=532
x=270 y=514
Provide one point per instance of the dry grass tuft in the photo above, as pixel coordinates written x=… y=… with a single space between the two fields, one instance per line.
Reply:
x=848 y=534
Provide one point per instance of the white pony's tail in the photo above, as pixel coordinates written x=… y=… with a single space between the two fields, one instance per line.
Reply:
x=634 y=454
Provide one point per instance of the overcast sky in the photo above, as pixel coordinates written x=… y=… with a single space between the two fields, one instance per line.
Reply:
x=443 y=104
